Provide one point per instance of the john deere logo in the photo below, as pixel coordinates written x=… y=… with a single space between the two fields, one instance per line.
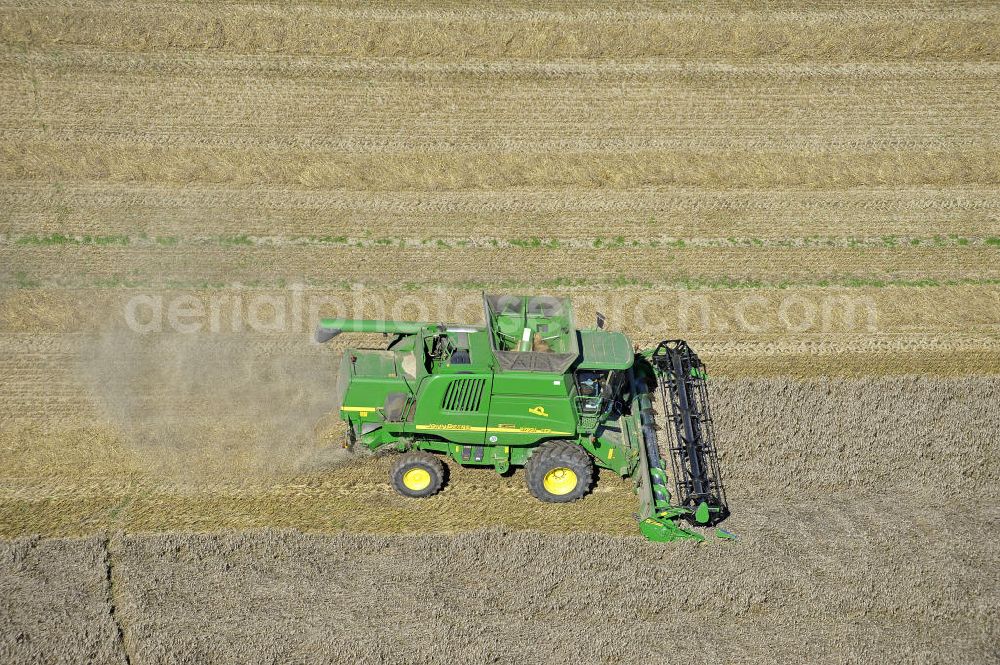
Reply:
x=538 y=411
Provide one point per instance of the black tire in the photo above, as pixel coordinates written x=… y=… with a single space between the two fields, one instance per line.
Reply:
x=407 y=479
x=552 y=457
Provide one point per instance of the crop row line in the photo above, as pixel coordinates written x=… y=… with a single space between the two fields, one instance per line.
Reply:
x=22 y=280
x=84 y=58
x=530 y=242
x=449 y=171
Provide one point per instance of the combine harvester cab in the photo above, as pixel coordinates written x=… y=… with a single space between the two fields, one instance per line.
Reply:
x=529 y=389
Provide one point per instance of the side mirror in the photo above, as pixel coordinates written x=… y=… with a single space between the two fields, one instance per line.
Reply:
x=601 y=321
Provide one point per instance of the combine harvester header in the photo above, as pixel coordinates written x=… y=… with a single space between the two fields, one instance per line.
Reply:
x=530 y=389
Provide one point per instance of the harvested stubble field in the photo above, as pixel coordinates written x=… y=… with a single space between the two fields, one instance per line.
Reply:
x=807 y=192
x=796 y=590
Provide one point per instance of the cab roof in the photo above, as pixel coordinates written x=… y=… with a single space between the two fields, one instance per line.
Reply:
x=601 y=349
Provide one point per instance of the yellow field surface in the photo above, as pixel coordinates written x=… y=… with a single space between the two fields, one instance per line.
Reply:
x=802 y=190
x=165 y=459
x=453 y=144
x=809 y=192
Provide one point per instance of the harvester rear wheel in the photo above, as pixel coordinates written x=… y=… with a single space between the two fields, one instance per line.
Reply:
x=417 y=475
x=559 y=472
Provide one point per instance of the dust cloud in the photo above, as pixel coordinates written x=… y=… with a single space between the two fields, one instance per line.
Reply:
x=218 y=407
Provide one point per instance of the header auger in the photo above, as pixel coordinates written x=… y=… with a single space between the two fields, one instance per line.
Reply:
x=530 y=389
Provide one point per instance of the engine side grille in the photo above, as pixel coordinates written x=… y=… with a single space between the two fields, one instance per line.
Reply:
x=463 y=395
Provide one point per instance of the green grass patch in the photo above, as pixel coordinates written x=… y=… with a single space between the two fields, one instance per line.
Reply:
x=614 y=243
x=621 y=281
x=235 y=240
x=22 y=281
x=534 y=243
x=695 y=283
x=56 y=239
x=119 y=282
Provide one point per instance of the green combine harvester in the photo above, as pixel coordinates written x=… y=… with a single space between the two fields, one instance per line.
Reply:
x=530 y=389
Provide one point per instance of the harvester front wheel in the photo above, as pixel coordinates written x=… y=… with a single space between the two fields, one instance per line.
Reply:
x=417 y=475
x=559 y=472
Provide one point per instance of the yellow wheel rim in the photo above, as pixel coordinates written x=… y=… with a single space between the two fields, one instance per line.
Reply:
x=560 y=480
x=416 y=479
